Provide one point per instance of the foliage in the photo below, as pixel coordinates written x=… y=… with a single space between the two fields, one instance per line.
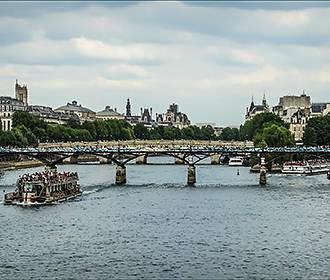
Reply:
x=229 y=134
x=274 y=136
x=29 y=130
x=317 y=131
x=256 y=125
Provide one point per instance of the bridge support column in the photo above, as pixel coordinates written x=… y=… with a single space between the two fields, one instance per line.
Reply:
x=141 y=160
x=179 y=160
x=191 y=179
x=263 y=172
x=215 y=159
x=120 y=174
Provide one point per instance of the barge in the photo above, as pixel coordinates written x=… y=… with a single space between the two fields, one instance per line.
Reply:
x=310 y=167
x=44 y=188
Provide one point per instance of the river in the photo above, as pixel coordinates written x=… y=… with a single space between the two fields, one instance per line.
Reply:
x=156 y=227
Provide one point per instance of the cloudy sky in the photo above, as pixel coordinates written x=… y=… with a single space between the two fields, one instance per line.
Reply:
x=210 y=58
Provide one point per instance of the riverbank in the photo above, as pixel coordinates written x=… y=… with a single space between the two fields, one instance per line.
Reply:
x=12 y=165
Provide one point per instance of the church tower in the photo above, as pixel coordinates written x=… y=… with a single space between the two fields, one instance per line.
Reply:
x=128 y=108
x=21 y=93
x=264 y=102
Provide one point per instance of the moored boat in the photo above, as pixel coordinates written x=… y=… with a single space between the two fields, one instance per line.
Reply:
x=308 y=167
x=236 y=161
x=328 y=175
x=44 y=188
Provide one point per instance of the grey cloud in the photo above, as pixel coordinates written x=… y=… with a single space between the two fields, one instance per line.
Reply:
x=260 y=5
x=32 y=9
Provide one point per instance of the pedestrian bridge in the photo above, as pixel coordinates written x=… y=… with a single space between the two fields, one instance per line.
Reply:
x=190 y=155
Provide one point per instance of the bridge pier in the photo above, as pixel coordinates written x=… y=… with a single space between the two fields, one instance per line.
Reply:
x=120 y=174
x=191 y=179
x=141 y=159
x=215 y=159
x=263 y=172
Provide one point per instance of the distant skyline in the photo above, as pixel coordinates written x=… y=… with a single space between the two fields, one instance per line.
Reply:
x=208 y=57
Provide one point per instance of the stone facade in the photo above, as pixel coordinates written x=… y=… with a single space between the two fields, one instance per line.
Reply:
x=109 y=114
x=72 y=108
x=173 y=117
x=8 y=106
x=298 y=123
x=21 y=93
x=50 y=116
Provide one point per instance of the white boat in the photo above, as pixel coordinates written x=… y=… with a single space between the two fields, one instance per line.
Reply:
x=310 y=167
x=236 y=161
x=88 y=162
x=44 y=188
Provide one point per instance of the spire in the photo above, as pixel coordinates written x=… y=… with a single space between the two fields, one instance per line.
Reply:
x=128 y=108
x=251 y=105
x=264 y=101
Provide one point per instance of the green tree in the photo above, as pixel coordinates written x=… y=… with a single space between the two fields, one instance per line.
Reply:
x=251 y=127
x=274 y=136
x=229 y=134
x=141 y=132
x=317 y=131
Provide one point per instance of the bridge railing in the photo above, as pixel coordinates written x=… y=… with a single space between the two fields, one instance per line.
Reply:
x=146 y=150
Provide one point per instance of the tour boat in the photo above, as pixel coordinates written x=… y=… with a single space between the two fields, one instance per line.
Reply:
x=236 y=161
x=44 y=188
x=328 y=175
x=310 y=167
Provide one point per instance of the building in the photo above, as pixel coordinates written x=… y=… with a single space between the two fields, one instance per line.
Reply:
x=290 y=104
x=50 y=116
x=146 y=115
x=254 y=109
x=21 y=93
x=173 y=117
x=295 y=110
x=8 y=106
x=132 y=119
x=298 y=123
x=320 y=109
x=109 y=114
x=72 y=108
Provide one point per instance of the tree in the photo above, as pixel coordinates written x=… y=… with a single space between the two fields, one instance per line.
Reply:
x=207 y=133
x=274 y=136
x=309 y=138
x=317 y=131
x=229 y=134
x=251 y=127
x=141 y=132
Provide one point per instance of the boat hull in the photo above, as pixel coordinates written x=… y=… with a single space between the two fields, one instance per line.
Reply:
x=46 y=202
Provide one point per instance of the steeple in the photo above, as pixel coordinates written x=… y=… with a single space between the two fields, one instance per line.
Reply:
x=128 y=108
x=251 y=105
x=264 y=102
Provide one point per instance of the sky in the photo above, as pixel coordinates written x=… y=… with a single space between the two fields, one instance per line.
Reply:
x=208 y=57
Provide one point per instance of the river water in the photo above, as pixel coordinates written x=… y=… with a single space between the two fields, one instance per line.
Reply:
x=156 y=227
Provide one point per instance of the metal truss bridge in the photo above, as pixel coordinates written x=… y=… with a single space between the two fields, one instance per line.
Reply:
x=121 y=155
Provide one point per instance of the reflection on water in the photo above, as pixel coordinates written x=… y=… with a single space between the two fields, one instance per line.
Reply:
x=156 y=227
